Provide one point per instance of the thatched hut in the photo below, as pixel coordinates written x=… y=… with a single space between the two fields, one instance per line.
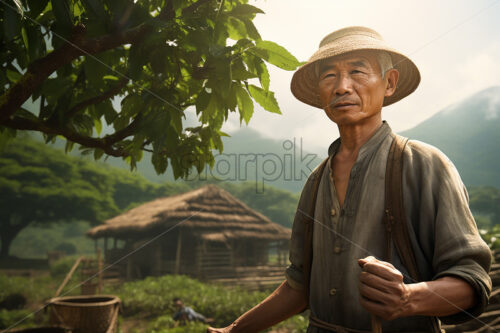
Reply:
x=206 y=233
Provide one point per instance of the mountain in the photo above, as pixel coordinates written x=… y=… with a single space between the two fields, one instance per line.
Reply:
x=248 y=156
x=469 y=134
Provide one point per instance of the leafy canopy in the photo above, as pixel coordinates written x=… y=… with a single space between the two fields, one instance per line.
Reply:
x=158 y=57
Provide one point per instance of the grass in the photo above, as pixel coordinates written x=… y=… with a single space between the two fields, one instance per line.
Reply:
x=150 y=300
x=147 y=304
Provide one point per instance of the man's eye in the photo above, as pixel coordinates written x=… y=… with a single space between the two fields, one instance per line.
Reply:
x=328 y=75
x=355 y=71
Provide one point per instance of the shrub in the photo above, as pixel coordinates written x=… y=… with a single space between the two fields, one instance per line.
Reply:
x=10 y=318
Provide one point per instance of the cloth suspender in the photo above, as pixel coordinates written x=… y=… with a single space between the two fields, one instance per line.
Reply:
x=394 y=218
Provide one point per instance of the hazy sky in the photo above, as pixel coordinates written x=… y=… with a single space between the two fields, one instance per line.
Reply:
x=455 y=44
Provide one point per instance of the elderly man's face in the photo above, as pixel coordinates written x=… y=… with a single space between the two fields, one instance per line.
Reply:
x=351 y=87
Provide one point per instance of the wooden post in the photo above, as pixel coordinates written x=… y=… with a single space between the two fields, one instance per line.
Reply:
x=68 y=276
x=178 y=253
x=99 y=270
x=105 y=246
x=114 y=243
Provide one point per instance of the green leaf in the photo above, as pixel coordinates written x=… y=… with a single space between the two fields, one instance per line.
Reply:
x=22 y=112
x=106 y=108
x=54 y=88
x=239 y=72
x=32 y=36
x=160 y=162
x=93 y=71
x=245 y=104
x=24 y=35
x=131 y=105
x=98 y=125
x=110 y=77
x=236 y=29
x=98 y=153
x=120 y=122
x=211 y=110
x=202 y=101
x=62 y=13
x=264 y=98
x=176 y=119
x=230 y=100
x=251 y=29
x=263 y=73
x=135 y=61
x=69 y=146
x=11 y=23
x=13 y=76
x=245 y=10
x=275 y=54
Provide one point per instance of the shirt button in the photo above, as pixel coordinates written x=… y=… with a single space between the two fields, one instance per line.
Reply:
x=333 y=212
x=333 y=291
x=336 y=249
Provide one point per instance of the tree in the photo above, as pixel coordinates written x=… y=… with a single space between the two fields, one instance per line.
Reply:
x=41 y=185
x=161 y=57
x=485 y=200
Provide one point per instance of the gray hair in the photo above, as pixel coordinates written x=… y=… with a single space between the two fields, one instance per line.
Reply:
x=384 y=60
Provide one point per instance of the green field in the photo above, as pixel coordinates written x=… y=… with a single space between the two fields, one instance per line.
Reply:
x=146 y=304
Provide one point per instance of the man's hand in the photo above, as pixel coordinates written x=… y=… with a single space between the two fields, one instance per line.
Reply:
x=382 y=291
x=219 y=330
x=283 y=303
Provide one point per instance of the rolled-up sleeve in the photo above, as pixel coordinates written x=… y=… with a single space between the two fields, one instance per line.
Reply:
x=295 y=271
x=458 y=249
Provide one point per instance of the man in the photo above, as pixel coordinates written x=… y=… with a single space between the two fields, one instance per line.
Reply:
x=351 y=77
x=186 y=313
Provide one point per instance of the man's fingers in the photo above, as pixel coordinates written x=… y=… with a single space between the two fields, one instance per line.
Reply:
x=376 y=282
x=363 y=261
x=375 y=294
x=215 y=330
x=375 y=308
x=372 y=259
x=383 y=270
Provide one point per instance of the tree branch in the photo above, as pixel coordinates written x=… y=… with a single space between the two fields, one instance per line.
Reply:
x=97 y=99
x=106 y=143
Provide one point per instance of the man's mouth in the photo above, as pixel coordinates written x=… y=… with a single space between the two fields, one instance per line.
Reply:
x=343 y=104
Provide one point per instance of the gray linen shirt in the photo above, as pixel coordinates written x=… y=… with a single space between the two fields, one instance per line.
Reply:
x=442 y=230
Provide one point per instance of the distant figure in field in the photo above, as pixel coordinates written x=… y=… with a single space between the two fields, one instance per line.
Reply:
x=186 y=313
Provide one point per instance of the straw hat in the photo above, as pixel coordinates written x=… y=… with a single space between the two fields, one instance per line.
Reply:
x=304 y=83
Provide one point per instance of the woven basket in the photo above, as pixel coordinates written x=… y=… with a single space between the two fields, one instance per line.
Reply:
x=85 y=314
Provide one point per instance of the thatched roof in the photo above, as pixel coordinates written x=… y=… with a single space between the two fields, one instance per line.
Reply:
x=208 y=212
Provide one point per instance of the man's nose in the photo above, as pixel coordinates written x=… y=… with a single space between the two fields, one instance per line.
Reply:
x=344 y=85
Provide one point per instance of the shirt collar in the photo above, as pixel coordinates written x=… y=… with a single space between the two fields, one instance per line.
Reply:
x=369 y=146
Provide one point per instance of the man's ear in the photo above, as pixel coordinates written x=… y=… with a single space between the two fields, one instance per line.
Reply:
x=392 y=76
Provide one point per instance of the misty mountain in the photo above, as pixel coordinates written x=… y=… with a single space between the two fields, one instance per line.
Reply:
x=468 y=132
x=247 y=156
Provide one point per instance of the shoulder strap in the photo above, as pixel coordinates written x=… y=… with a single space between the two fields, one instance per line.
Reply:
x=394 y=215
x=309 y=227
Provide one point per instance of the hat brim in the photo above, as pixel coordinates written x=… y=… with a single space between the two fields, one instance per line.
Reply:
x=304 y=84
